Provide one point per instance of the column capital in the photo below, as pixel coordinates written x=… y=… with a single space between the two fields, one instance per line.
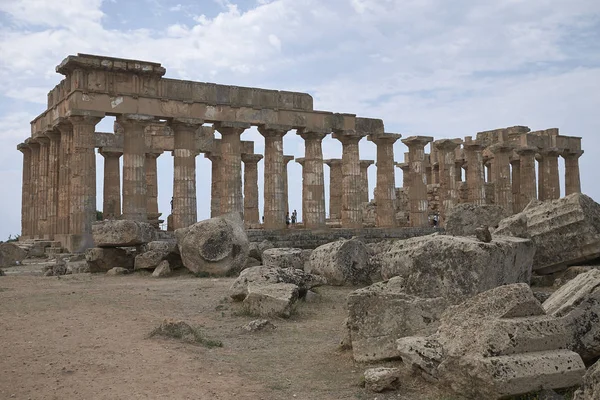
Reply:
x=403 y=166
x=332 y=162
x=287 y=159
x=269 y=130
x=152 y=153
x=301 y=161
x=231 y=128
x=366 y=163
x=572 y=153
x=23 y=147
x=549 y=152
x=83 y=119
x=527 y=150
x=134 y=119
x=212 y=156
x=417 y=141
x=251 y=158
x=32 y=143
x=384 y=138
x=107 y=152
x=312 y=134
x=193 y=123
x=500 y=148
x=447 y=144
x=43 y=140
x=348 y=136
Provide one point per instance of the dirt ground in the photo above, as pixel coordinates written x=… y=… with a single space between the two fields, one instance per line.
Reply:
x=85 y=337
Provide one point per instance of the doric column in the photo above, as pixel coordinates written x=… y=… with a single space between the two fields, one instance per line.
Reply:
x=385 y=189
x=550 y=178
x=515 y=168
x=83 y=182
x=335 y=188
x=313 y=180
x=184 y=171
x=501 y=175
x=475 y=171
x=351 y=180
x=527 y=178
x=152 y=188
x=446 y=150
x=274 y=182
x=215 y=182
x=64 y=176
x=35 y=187
x=52 y=182
x=572 y=178
x=417 y=193
x=286 y=160
x=43 y=187
x=111 y=207
x=231 y=166
x=25 y=190
x=433 y=170
x=364 y=179
x=134 y=166
x=251 y=188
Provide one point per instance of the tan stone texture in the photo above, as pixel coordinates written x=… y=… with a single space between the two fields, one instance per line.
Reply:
x=152 y=188
x=417 y=180
x=550 y=181
x=313 y=180
x=351 y=209
x=215 y=182
x=231 y=167
x=184 y=172
x=515 y=168
x=448 y=192
x=286 y=201
x=43 y=186
x=572 y=177
x=251 y=214
x=385 y=191
x=53 y=176
x=364 y=179
x=274 y=183
x=527 y=179
x=475 y=171
x=111 y=207
x=335 y=188
x=25 y=190
x=501 y=176
x=64 y=176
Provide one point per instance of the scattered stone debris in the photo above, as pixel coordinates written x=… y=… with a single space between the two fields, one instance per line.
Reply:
x=590 y=390
x=343 y=262
x=181 y=330
x=155 y=252
x=117 y=271
x=163 y=270
x=464 y=219
x=57 y=269
x=259 y=325
x=217 y=246
x=103 y=259
x=380 y=379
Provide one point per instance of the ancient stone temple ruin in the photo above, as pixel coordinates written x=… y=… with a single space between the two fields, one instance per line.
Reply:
x=156 y=115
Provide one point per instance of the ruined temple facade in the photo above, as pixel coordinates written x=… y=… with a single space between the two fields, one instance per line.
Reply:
x=155 y=115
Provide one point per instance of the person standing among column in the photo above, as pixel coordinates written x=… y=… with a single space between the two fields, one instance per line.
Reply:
x=231 y=166
x=417 y=193
x=385 y=191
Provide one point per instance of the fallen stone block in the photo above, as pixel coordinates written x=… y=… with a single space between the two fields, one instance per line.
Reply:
x=102 y=259
x=259 y=325
x=10 y=253
x=155 y=253
x=577 y=305
x=117 y=271
x=256 y=249
x=590 y=390
x=381 y=379
x=483 y=234
x=464 y=219
x=122 y=233
x=283 y=258
x=342 y=262
x=277 y=299
x=163 y=270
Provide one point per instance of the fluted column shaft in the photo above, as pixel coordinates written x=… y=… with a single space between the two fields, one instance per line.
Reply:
x=83 y=181
x=111 y=207
x=527 y=179
x=134 y=166
x=231 y=167
x=572 y=177
x=516 y=185
x=364 y=178
x=43 y=187
x=35 y=186
x=446 y=152
x=251 y=187
x=152 y=188
x=417 y=193
x=52 y=182
x=335 y=188
x=25 y=190
x=313 y=181
x=501 y=176
x=385 y=190
x=550 y=176
x=215 y=183
x=286 y=192
x=64 y=177
x=351 y=180
x=274 y=182
x=475 y=173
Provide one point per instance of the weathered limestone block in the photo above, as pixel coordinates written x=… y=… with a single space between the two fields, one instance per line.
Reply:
x=283 y=258
x=342 y=262
x=155 y=253
x=266 y=276
x=380 y=379
x=10 y=253
x=483 y=234
x=590 y=390
x=259 y=325
x=252 y=262
x=77 y=267
x=102 y=259
x=383 y=312
x=276 y=299
x=577 y=306
x=515 y=225
x=464 y=218
x=162 y=270
x=117 y=271
x=217 y=246
x=565 y=232
x=257 y=249
x=457 y=267
x=122 y=233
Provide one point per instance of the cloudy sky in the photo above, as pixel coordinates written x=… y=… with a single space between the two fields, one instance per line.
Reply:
x=426 y=67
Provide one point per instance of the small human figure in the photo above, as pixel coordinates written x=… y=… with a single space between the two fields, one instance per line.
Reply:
x=294 y=217
x=172 y=203
x=435 y=220
x=287 y=218
x=263 y=219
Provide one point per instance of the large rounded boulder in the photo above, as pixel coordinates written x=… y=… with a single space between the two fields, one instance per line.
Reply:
x=216 y=246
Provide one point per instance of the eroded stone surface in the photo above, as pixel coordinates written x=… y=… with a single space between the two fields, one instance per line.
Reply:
x=283 y=258
x=276 y=299
x=380 y=379
x=342 y=262
x=122 y=233
x=464 y=219
x=103 y=259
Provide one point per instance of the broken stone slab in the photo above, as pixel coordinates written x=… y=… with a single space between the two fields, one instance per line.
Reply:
x=163 y=270
x=565 y=232
x=257 y=249
x=515 y=225
x=457 y=267
x=381 y=379
x=117 y=271
x=464 y=219
x=263 y=275
x=342 y=262
x=276 y=299
x=155 y=253
x=283 y=258
x=422 y=354
x=102 y=259
x=483 y=234
x=380 y=314
x=10 y=253
x=590 y=389
x=122 y=233
x=216 y=246
x=577 y=305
